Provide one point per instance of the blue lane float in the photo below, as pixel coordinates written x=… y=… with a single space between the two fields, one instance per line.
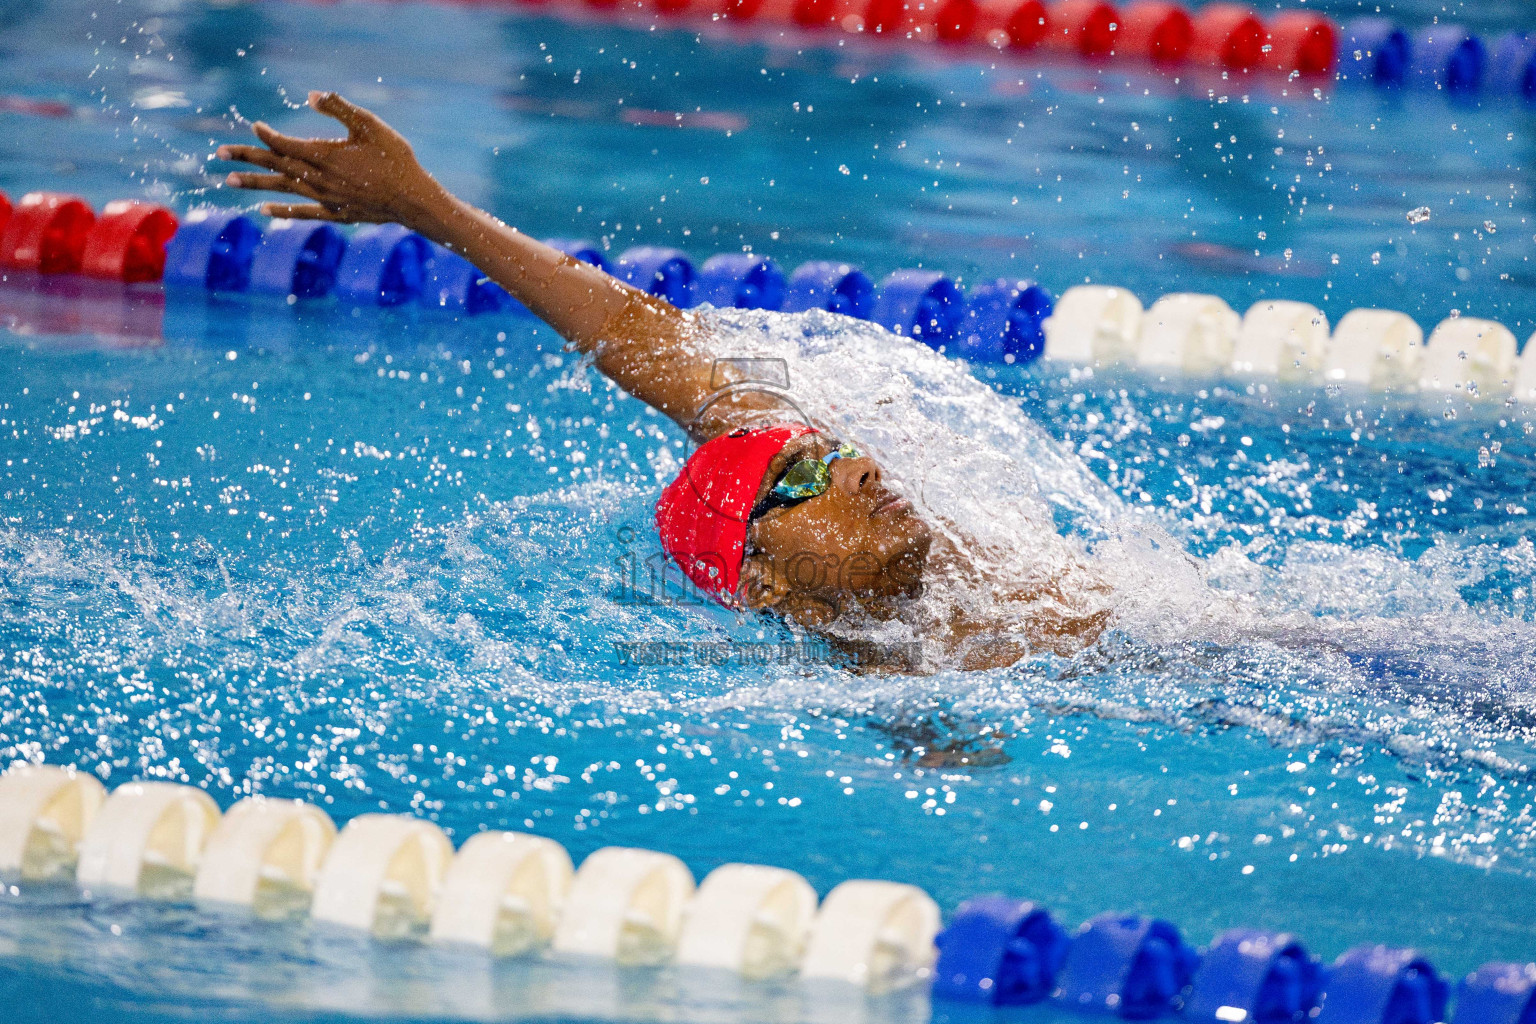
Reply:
x=453 y=283
x=581 y=249
x=1512 y=66
x=212 y=249
x=1135 y=967
x=297 y=258
x=834 y=287
x=1447 y=57
x=921 y=304
x=1001 y=951
x=1383 y=985
x=1005 y=322
x=739 y=280
x=1497 y=994
x=1248 y=975
x=665 y=273
x=384 y=265
x=1384 y=51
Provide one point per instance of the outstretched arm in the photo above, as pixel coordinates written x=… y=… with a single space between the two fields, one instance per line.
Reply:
x=646 y=345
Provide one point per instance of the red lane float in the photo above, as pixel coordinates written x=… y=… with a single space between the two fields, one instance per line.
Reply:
x=5 y=211
x=1009 y=24
x=1228 y=36
x=954 y=21
x=1162 y=32
x=803 y=13
x=667 y=8
x=46 y=233
x=128 y=242
x=781 y=12
x=1086 y=27
x=891 y=18
x=1303 y=42
x=737 y=10
x=839 y=14
x=1157 y=31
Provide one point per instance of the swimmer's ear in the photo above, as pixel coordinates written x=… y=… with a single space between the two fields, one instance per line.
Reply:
x=761 y=589
x=764 y=590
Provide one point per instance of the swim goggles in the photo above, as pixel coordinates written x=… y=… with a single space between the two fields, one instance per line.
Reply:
x=802 y=480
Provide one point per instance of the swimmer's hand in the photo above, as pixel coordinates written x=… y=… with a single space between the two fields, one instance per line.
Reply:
x=646 y=345
x=371 y=176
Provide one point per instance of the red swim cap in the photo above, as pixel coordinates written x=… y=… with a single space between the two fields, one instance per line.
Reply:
x=702 y=515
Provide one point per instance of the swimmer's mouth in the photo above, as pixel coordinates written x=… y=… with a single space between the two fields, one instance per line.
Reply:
x=891 y=506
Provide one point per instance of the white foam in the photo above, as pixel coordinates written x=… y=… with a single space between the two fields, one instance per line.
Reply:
x=1022 y=504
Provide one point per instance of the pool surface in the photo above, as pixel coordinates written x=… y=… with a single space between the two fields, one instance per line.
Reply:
x=391 y=560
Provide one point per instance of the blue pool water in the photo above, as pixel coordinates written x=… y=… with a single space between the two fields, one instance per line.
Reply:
x=383 y=560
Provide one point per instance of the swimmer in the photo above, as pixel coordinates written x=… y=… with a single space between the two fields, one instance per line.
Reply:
x=760 y=499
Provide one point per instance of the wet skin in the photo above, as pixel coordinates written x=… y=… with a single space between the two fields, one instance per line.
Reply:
x=858 y=540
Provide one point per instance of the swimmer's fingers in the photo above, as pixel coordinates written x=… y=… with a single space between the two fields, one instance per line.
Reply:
x=369 y=177
x=266 y=158
x=359 y=121
x=311 y=151
x=310 y=211
x=272 y=183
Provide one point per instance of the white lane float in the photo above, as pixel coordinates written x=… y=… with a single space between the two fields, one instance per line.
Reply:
x=625 y=905
x=874 y=934
x=382 y=874
x=1375 y=348
x=148 y=838
x=1525 y=372
x=1189 y=333
x=503 y=892
x=1093 y=323
x=266 y=855
x=45 y=811
x=1281 y=339
x=1471 y=355
x=749 y=919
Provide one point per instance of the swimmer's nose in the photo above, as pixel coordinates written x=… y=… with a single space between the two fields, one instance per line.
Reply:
x=856 y=476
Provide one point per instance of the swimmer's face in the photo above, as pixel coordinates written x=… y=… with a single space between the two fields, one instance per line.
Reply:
x=856 y=539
